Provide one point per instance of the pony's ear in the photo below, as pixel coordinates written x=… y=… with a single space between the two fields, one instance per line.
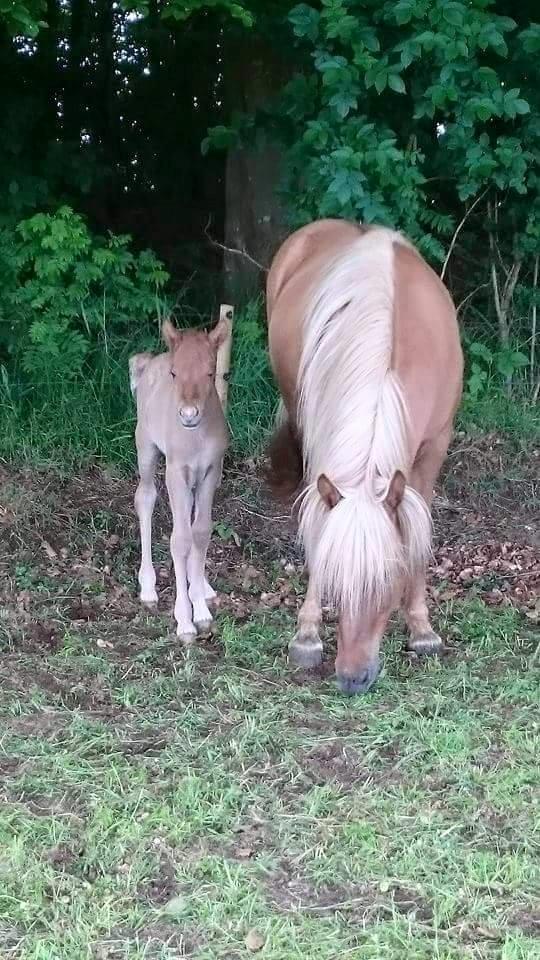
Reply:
x=329 y=493
x=170 y=334
x=395 y=491
x=218 y=335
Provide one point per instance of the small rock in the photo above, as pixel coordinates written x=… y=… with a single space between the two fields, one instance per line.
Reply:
x=254 y=941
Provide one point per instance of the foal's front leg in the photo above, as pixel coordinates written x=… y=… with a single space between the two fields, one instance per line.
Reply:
x=180 y=498
x=145 y=499
x=199 y=588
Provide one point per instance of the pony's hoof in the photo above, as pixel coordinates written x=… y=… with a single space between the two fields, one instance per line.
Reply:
x=204 y=627
x=186 y=637
x=425 y=644
x=306 y=650
x=361 y=682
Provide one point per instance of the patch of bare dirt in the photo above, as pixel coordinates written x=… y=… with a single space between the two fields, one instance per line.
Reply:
x=358 y=902
x=161 y=887
x=334 y=762
x=528 y=921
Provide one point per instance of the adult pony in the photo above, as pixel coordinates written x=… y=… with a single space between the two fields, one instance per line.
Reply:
x=364 y=345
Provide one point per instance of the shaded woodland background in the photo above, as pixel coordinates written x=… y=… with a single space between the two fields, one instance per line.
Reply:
x=139 y=139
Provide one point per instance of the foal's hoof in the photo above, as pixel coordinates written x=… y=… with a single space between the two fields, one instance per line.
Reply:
x=361 y=682
x=186 y=637
x=150 y=605
x=306 y=650
x=425 y=644
x=204 y=627
x=149 y=599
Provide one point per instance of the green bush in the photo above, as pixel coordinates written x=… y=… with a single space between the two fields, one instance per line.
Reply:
x=65 y=292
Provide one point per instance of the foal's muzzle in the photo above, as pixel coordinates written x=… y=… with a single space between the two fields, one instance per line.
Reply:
x=190 y=417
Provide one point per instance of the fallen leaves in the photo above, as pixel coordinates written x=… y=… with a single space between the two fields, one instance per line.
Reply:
x=503 y=571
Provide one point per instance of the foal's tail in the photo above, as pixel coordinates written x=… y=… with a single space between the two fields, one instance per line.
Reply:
x=370 y=529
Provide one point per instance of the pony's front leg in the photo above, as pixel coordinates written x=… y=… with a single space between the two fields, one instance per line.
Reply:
x=180 y=498
x=199 y=588
x=422 y=638
x=306 y=649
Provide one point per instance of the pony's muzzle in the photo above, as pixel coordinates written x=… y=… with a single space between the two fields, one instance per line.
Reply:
x=353 y=683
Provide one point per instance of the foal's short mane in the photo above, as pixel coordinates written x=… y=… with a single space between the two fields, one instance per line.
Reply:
x=353 y=420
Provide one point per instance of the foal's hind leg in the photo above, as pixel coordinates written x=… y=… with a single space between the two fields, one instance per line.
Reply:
x=305 y=648
x=201 y=530
x=422 y=639
x=181 y=500
x=145 y=498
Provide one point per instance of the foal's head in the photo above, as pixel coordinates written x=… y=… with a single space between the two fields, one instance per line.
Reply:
x=192 y=355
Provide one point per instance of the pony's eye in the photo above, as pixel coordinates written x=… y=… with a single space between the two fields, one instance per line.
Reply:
x=173 y=374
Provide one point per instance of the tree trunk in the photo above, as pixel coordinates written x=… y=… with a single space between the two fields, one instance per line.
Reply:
x=254 y=216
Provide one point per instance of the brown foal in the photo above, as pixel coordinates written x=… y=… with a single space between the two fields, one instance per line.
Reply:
x=179 y=415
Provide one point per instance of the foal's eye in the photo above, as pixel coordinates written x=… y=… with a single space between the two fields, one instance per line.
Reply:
x=173 y=374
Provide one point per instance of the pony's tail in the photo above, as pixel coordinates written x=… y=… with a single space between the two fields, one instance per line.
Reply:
x=284 y=471
x=356 y=552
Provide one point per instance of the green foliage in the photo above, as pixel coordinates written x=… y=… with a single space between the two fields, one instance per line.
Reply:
x=490 y=368
x=22 y=16
x=65 y=291
x=364 y=144
x=181 y=10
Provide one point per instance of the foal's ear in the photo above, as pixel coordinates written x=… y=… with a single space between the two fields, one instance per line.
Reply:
x=329 y=493
x=218 y=335
x=170 y=334
x=395 y=492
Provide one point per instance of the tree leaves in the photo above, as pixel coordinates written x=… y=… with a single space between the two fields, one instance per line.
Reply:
x=64 y=285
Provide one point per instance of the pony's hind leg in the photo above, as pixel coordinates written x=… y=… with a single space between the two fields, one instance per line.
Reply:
x=422 y=638
x=145 y=498
x=306 y=649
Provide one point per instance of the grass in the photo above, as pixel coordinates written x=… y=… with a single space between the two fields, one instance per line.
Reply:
x=157 y=804
x=517 y=420
x=162 y=805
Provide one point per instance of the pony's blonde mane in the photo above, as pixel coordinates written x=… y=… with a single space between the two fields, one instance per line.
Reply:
x=354 y=425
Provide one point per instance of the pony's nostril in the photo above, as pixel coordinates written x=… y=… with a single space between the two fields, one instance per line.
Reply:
x=360 y=682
